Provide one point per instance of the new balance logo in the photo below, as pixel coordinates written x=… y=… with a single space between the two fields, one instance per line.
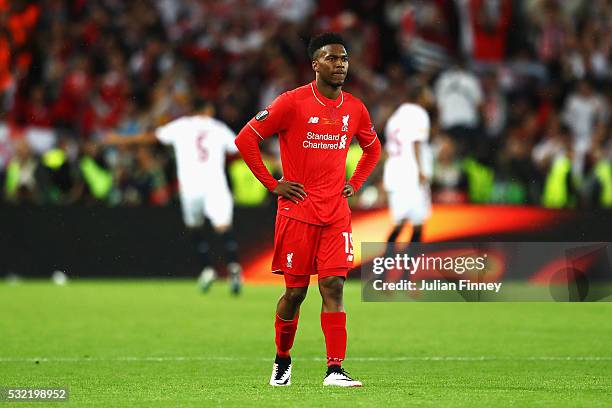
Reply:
x=290 y=260
x=313 y=119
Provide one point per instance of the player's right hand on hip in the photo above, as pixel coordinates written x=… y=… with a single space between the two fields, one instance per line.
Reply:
x=290 y=190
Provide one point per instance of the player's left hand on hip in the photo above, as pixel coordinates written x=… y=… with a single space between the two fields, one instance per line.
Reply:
x=423 y=179
x=348 y=191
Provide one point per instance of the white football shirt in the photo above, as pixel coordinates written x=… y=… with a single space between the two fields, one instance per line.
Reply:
x=458 y=94
x=408 y=124
x=200 y=145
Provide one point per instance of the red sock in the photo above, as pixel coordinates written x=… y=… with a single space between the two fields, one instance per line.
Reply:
x=285 y=334
x=334 y=330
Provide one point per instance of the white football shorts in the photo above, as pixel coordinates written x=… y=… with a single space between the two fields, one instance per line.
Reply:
x=216 y=205
x=411 y=204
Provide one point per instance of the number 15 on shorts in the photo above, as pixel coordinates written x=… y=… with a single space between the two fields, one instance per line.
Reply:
x=348 y=245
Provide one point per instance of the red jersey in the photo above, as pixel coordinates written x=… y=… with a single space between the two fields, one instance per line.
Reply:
x=314 y=133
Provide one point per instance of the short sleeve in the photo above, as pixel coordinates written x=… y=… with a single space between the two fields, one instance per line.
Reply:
x=419 y=126
x=274 y=118
x=477 y=91
x=167 y=134
x=228 y=137
x=366 y=135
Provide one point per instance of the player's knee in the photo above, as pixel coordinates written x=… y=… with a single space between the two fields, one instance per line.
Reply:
x=332 y=287
x=222 y=229
x=295 y=295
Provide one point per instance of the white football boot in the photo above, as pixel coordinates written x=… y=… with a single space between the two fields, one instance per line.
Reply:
x=281 y=372
x=206 y=279
x=337 y=377
x=235 y=277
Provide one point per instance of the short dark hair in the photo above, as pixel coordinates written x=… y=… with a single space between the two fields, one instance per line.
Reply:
x=319 y=41
x=198 y=103
x=415 y=90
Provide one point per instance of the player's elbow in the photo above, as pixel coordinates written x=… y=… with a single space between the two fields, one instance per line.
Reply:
x=374 y=148
x=241 y=143
x=245 y=140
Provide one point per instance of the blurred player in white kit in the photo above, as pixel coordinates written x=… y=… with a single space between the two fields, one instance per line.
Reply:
x=409 y=165
x=200 y=143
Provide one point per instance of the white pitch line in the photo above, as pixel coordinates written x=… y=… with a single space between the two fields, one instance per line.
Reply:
x=361 y=359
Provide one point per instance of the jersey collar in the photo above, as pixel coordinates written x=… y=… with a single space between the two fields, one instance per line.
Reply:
x=322 y=99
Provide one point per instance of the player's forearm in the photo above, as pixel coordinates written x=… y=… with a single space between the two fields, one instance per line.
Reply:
x=248 y=145
x=366 y=165
x=417 y=155
x=125 y=140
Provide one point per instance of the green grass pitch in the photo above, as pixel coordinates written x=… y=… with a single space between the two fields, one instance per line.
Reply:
x=163 y=344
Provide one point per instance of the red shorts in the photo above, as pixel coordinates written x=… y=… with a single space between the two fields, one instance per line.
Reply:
x=302 y=249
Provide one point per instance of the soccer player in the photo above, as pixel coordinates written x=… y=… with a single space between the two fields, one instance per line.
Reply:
x=200 y=143
x=409 y=166
x=315 y=124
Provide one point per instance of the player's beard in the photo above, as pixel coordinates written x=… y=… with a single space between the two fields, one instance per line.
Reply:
x=335 y=83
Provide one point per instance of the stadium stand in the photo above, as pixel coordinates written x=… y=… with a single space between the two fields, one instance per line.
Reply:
x=532 y=127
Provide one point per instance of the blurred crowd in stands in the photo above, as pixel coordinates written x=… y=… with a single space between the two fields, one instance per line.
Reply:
x=519 y=91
